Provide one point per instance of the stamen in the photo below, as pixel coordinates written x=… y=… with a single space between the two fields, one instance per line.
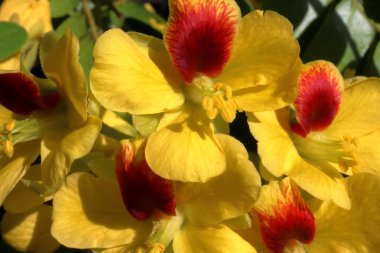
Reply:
x=226 y=108
x=10 y=125
x=349 y=146
x=18 y=131
x=214 y=98
x=6 y=143
x=209 y=106
x=8 y=148
x=318 y=148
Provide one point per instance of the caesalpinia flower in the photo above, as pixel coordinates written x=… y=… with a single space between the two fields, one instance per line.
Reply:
x=26 y=224
x=285 y=223
x=331 y=130
x=33 y=15
x=145 y=213
x=52 y=118
x=211 y=62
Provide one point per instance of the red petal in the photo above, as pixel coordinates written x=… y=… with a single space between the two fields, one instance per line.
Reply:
x=320 y=87
x=21 y=95
x=199 y=36
x=143 y=192
x=289 y=220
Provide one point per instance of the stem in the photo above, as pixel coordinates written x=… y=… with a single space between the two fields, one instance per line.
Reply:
x=91 y=20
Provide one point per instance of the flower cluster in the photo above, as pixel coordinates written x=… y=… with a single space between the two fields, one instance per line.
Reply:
x=137 y=159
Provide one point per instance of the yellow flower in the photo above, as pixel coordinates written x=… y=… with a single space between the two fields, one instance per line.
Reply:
x=53 y=120
x=331 y=131
x=33 y=15
x=284 y=222
x=30 y=231
x=211 y=62
x=151 y=211
x=27 y=221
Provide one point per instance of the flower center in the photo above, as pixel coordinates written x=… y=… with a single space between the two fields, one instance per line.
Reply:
x=14 y=132
x=215 y=98
x=318 y=148
x=285 y=225
x=350 y=147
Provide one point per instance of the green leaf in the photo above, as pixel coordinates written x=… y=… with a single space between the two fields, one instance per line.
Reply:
x=60 y=8
x=372 y=9
x=139 y=12
x=85 y=55
x=375 y=65
x=12 y=39
x=116 y=21
x=76 y=22
x=245 y=6
x=343 y=38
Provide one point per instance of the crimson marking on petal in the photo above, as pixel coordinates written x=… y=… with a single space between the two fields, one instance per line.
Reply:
x=199 y=37
x=320 y=87
x=21 y=95
x=143 y=192
x=289 y=220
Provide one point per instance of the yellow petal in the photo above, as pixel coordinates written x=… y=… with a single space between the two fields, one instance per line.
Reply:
x=23 y=198
x=116 y=122
x=29 y=13
x=89 y=213
x=319 y=184
x=5 y=115
x=186 y=150
x=13 y=169
x=358 y=113
x=271 y=129
x=276 y=95
x=252 y=235
x=226 y=196
x=30 y=231
x=264 y=50
x=103 y=167
x=60 y=62
x=133 y=73
x=121 y=249
x=355 y=230
x=217 y=239
x=367 y=153
x=11 y=63
x=60 y=149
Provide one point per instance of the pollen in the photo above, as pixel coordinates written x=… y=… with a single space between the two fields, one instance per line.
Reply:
x=288 y=223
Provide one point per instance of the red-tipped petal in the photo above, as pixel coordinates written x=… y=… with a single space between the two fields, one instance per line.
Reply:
x=320 y=87
x=289 y=220
x=143 y=192
x=199 y=35
x=21 y=95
